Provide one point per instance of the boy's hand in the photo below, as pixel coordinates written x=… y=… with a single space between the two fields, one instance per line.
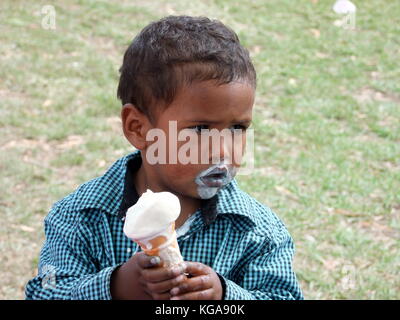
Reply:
x=143 y=277
x=203 y=284
x=157 y=281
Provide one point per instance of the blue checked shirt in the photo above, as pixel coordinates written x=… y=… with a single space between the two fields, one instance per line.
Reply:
x=241 y=239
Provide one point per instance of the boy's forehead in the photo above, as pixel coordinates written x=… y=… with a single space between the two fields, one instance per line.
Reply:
x=208 y=101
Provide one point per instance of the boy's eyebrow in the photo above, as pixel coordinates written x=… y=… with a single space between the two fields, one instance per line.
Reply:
x=203 y=121
x=245 y=121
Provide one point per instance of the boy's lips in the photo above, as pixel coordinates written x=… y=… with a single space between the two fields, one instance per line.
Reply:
x=213 y=182
x=218 y=171
x=215 y=178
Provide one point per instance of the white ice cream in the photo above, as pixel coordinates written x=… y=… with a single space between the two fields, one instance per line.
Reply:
x=153 y=212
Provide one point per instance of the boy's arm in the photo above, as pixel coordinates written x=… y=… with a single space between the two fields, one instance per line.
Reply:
x=270 y=275
x=66 y=267
x=68 y=270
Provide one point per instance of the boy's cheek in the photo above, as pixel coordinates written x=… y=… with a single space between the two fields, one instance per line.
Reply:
x=181 y=178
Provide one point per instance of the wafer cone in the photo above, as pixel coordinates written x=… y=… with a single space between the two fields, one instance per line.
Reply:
x=163 y=244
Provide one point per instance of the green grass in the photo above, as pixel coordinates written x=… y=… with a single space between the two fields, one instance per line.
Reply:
x=327 y=133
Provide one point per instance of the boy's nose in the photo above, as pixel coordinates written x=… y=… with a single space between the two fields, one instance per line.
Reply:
x=222 y=151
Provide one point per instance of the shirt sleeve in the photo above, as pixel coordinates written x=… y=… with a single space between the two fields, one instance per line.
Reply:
x=67 y=269
x=269 y=276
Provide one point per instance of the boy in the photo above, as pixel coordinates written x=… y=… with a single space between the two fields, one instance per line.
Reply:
x=194 y=73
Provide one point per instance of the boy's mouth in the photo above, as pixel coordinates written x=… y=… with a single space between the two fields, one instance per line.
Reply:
x=215 y=178
x=212 y=179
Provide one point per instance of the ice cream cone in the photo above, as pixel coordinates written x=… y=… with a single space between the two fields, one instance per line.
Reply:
x=163 y=244
x=151 y=224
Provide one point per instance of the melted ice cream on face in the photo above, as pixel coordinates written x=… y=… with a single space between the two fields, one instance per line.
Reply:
x=205 y=191
x=153 y=212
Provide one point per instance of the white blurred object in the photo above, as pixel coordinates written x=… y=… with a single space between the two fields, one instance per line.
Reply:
x=344 y=7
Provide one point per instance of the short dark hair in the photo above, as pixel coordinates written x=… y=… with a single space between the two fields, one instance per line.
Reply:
x=176 y=51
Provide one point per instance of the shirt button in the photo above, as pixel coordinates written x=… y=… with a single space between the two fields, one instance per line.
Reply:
x=129 y=250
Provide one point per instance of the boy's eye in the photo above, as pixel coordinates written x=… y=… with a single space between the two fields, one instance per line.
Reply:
x=239 y=127
x=200 y=127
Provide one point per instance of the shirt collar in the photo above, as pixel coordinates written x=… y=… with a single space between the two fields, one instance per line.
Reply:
x=114 y=192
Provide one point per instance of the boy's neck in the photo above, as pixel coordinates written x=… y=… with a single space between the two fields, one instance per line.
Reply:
x=188 y=204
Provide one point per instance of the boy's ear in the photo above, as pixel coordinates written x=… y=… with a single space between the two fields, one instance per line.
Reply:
x=135 y=125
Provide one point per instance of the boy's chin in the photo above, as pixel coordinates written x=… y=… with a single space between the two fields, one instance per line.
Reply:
x=200 y=192
x=206 y=193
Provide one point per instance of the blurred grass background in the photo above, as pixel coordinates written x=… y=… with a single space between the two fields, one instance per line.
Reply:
x=326 y=126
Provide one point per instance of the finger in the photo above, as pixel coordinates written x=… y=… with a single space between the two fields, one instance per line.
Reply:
x=146 y=261
x=161 y=296
x=197 y=295
x=157 y=296
x=196 y=268
x=193 y=284
x=161 y=273
x=165 y=286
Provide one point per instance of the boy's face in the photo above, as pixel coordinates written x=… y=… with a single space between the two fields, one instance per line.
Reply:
x=195 y=168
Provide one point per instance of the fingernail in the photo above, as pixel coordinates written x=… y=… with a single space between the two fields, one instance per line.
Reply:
x=174 y=291
x=175 y=298
x=155 y=261
x=178 y=279
x=181 y=278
